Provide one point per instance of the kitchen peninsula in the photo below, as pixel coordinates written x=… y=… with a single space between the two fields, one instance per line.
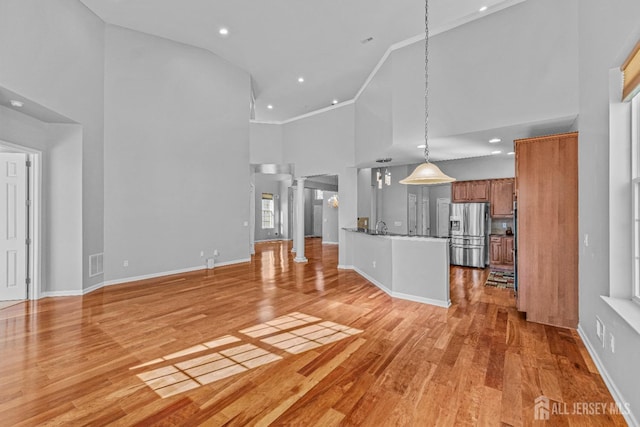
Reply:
x=415 y=268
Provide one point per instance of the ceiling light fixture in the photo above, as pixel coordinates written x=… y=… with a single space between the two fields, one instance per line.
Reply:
x=511 y=153
x=426 y=173
x=300 y=79
x=15 y=103
x=223 y=31
x=334 y=102
x=270 y=107
x=494 y=140
x=483 y=8
x=421 y=146
x=496 y=152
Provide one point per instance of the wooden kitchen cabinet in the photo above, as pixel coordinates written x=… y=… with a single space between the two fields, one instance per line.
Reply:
x=470 y=191
x=502 y=192
x=547 y=191
x=501 y=252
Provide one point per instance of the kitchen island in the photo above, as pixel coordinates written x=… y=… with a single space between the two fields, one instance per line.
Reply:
x=415 y=268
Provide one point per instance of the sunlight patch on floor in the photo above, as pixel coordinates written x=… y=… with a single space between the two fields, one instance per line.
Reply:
x=205 y=369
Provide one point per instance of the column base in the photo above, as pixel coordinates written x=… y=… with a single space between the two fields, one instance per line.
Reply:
x=298 y=259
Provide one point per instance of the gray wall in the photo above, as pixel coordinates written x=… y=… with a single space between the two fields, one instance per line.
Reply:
x=330 y=217
x=600 y=51
x=53 y=54
x=176 y=156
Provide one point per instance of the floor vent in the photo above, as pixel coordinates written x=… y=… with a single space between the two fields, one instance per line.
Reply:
x=95 y=265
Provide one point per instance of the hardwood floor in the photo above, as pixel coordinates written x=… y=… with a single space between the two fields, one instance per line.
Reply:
x=109 y=357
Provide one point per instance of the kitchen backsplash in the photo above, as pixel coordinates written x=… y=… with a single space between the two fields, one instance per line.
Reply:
x=500 y=225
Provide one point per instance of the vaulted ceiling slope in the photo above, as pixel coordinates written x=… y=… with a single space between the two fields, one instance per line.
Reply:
x=278 y=41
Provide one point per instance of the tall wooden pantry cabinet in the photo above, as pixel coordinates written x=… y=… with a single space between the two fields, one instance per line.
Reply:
x=547 y=228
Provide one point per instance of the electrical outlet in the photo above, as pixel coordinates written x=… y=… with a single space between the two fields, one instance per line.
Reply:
x=504 y=225
x=201 y=254
x=125 y=263
x=216 y=253
x=397 y=223
x=246 y=223
x=374 y=264
x=600 y=331
x=612 y=343
x=586 y=239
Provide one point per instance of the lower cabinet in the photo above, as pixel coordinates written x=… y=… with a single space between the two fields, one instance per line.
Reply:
x=501 y=252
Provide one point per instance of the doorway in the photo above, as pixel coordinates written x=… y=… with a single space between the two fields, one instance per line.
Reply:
x=19 y=231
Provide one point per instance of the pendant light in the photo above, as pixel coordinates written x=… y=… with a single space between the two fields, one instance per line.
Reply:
x=427 y=172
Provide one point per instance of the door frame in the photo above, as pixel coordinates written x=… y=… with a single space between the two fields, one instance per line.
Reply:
x=34 y=254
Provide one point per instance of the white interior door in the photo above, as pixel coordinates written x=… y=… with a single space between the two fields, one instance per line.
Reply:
x=442 y=217
x=426 y=218
x=413 y=214
x=13 y=230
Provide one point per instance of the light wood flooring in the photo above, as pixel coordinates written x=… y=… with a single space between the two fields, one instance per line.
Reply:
x=274 y=342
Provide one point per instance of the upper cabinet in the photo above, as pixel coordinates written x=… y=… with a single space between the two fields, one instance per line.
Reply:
x=498 y=192
x=470 y=191
x=502 y=192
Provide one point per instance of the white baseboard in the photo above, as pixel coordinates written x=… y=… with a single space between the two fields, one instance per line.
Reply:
x=50 y=294
x=400 y=295
x=345 y=267
x=617 y=396
x=374 y=281
x=329 y=243
x=235 y=261
x=415 y=298
x=150 y=276
x=47 y=294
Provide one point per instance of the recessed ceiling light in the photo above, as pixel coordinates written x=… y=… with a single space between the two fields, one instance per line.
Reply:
x=300 y=79
x=483 y=8
x=496 y=152
x=494 y=140
x=511 y=153
x=334 y=102
x=270 y=107
x=223 y=31
x=422 y=146
x=15 y=103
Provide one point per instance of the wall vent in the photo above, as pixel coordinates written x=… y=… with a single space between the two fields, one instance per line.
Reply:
x=96 y=264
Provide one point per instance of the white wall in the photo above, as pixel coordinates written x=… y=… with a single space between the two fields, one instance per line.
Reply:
x=489 y=167
x=265 y=143
x=61 y=196
x=53 y=53
x=321 y=144
x=374 y=116
x=176 y=156
x=330 y=218
x=63 y=207
x=600 y=51
x=392 y=201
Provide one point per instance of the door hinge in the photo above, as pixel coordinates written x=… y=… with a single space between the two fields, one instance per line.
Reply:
x=28 y=241
x=28 y=163
x=28 y=280
x=28 y=202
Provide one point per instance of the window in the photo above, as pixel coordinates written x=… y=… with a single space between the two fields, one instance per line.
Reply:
x=635 y=196
x=319 y=195
x=268 y=212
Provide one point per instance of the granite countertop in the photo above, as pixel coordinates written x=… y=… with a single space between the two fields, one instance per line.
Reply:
x=391 y=234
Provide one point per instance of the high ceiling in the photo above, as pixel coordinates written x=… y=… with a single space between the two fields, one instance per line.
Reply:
x=278 y=41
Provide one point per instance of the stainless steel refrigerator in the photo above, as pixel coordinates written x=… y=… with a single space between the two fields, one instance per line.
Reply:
x=469 y=229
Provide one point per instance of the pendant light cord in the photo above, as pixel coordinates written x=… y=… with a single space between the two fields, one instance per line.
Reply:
x=426 y=81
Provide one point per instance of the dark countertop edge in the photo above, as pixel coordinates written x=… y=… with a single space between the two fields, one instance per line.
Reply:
x=372 y=233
